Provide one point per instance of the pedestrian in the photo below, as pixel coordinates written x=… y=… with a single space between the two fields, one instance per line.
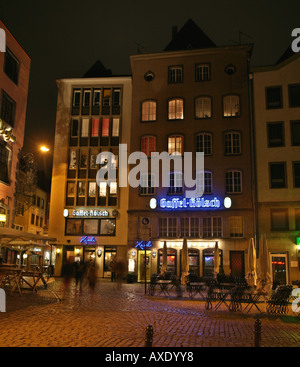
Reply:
x=79 y=273
x=113 y=265
x=67 y=273
x=120 y=272
x=91 y=276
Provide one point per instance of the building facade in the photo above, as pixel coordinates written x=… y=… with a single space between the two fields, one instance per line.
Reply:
x=193 y=97
x=14 y=80
x=276 y=91
x=89 y=220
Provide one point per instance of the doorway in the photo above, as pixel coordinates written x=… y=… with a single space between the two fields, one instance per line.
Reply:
x=141 y=265
x=237 y=264
x=279 y=271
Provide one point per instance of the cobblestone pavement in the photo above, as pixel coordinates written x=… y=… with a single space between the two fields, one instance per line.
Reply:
x=118 y=317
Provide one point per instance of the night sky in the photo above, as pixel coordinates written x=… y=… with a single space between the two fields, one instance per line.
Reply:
x=65 y=38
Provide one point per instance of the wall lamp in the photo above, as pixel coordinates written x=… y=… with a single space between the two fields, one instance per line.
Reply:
x=99 y=252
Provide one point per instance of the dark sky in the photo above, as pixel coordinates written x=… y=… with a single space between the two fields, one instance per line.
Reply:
x=64 y=38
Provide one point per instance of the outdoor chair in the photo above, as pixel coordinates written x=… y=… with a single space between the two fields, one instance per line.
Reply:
x=278 y=302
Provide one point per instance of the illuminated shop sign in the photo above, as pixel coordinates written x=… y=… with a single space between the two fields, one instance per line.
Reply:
x=83 y=213
x=190 y=203
x=143 y=244
x=87 y=240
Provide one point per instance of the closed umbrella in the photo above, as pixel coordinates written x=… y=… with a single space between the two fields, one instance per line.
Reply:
x=251 y=276
x=264 y=282
x=216 y=260
x=185 y=266
x=164 y=260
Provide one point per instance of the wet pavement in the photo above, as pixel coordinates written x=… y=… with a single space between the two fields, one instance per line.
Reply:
x=118 y=316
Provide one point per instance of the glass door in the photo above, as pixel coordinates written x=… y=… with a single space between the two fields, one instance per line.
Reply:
x=279 y=271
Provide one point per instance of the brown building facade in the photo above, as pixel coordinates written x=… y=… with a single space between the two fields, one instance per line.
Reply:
x=193 y=98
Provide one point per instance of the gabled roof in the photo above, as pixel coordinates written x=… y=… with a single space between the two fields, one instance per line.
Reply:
x=189 y=37
x=98 y=70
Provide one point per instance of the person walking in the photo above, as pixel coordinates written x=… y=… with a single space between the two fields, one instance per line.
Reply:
x=113 y=266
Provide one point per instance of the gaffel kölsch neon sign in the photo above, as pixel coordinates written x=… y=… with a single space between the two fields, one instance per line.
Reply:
x=190 y=203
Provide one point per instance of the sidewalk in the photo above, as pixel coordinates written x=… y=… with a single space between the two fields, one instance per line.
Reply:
x=118 y=316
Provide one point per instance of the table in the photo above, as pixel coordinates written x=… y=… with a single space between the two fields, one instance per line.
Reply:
x=163 y=284
x=11 y=276
x=196 y=288
x=221 y=295
x=36 y=276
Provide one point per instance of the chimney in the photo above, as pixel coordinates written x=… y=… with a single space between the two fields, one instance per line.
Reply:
x=174 y=31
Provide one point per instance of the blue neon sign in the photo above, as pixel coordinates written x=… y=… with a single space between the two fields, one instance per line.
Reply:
x=87 y=240
x=142 y=244
x=190 y=203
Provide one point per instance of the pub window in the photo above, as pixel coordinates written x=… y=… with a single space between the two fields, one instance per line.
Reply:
x=203 y=107
x=8 y=108
x=295 y=133
x=167 y=227
x=148 y=111
x=279 y=220
x=171 y=260
x=236 y=226
x=277 y=175
x=73 y=226
x=275 y=134
x=232 y=143
x=273 y=97
x=108 y=227
x=202 y=72
x=11 y=66
x=175 y=109
x=294 y=95
x=175 y=74
x=231 y=106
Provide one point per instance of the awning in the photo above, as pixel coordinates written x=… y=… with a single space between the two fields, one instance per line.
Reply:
x=9 y=236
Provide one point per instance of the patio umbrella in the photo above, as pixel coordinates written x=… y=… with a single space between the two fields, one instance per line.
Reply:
x=164 y=260
x=264 y=282
x=251 y=276
x=185 y=263
x=216 y=260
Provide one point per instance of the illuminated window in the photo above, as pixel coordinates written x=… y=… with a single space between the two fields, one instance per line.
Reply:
x=175 y=145
x=231 y=106
x=148 y=111
x=85 y=128
x=95 y=128
x=203 y=107
x=236 y=226
x=105 y=127
x=148 y=145
x=175 y=109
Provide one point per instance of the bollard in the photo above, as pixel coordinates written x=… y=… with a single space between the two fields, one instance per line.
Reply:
x=149 y=336
x=257 y=333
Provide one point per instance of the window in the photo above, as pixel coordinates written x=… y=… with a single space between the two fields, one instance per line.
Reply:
x=279 y=220
x=105 y=127
x=92 y=189
x=175 y=145
x=85 y=128
x=175 y=183
x=294 y=95
x=207 y=182
x=296 y=171
x=116 y=101
x=190 y=227
x=212 y=227
x=90 y=226
x=86 y=98
x=147 y=184
x=96 y=97
x=115 y=127
x=275 y=134
x=231 y=106
x=108 y=227
x=148 y=145
x=232 y=143
x=8 y=108
x=175 y=109
x=277 y=175
x=74 y=128
x=73 y=227
x=73 y=159
x=203 y=107
x=204 y=143
x=95 y=128
x=295 y=133
x=236 y=226
x=167 y=227
x=5 y=156
x=202 y=72
x=148 y=111
x=106 y=101
x=175 y=74
x=32 y=219
x=76 y=97
x=233 y=182
x=273 y=97
x=81 y=188
x=11 y=66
